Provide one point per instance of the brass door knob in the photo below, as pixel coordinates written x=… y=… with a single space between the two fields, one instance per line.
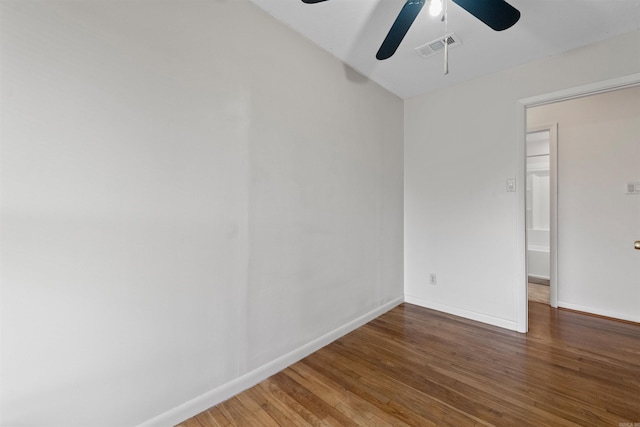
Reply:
x=636 y=245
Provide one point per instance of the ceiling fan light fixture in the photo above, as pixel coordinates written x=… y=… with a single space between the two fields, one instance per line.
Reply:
x=497 y=14
x=435 y=8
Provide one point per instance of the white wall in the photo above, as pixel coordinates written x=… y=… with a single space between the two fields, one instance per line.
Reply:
x=190 y=191
x=598 y=152
x=460 y=147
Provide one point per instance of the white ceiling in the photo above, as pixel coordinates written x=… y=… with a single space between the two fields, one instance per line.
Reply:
x=353 y=30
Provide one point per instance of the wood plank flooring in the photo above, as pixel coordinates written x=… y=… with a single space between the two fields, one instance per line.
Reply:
x=539 y=293
x=418 y=367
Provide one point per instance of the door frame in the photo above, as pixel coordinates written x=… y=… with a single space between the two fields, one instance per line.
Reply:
x=522 y=308
x=552 y=128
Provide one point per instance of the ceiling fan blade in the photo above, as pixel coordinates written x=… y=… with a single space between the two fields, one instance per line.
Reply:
x=399 y=28
x=497 y=14
x=312 y=1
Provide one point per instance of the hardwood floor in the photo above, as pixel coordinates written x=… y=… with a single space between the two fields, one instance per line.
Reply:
x=539 y=293
x=418 y=367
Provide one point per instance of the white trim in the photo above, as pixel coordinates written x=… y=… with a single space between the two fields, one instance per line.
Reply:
x=522 y=282
x=521 y=128
x=456 y=311
x=553 y=223
x=596 y=311
x=536 y=276
x=581 y=91
x=225 y=391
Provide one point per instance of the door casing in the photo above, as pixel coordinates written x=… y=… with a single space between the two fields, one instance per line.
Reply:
x=522 y=311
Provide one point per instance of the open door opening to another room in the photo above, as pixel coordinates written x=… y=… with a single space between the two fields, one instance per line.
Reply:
x=541 y=144
x=592 y=258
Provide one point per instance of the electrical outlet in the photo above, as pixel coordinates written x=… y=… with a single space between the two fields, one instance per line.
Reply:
x=433 y=279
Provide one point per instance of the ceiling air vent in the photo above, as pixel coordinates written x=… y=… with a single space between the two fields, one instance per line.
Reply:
x=437 y=45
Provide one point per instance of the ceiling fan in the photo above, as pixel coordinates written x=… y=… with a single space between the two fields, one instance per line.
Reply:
x=497 y=14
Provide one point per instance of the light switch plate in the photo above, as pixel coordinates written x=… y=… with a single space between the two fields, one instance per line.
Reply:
x=633 y=187
x=511 y=185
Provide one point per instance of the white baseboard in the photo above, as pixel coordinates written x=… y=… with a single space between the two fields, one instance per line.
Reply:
x=456 y=311
x=599 y=312
x=225 y=391
x=535 y=276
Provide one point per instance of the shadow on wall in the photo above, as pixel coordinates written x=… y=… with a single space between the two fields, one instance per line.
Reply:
x=354 y=75
x=368 y=41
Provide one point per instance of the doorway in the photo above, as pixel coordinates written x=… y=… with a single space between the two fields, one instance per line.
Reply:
x=541 y=173
x=603 y=288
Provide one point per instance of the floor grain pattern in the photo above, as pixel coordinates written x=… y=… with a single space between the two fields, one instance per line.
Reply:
x=417 y=367
x=538 y=293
